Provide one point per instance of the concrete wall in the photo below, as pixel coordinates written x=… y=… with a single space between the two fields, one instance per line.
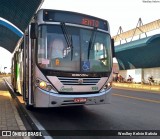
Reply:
x=136 y=74
x=140 y=75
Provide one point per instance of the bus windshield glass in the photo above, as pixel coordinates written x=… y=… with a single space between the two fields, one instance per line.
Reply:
x=69 y=48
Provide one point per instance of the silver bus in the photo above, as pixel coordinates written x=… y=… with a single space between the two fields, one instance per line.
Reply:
x=64 y=59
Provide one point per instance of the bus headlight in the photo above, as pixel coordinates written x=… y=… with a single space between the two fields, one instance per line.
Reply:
x=45 y=85
x=108 y=85
x=42 y=85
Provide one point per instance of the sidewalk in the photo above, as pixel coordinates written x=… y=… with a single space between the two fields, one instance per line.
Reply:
x=137 y=86
x=9 y=117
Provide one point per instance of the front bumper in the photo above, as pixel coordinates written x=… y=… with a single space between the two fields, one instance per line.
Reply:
x=60 y=100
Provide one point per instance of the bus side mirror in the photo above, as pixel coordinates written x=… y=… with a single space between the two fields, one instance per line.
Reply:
x=34 y=31
x=113 y=50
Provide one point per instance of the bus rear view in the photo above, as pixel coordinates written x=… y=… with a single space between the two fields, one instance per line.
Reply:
x=71 y=60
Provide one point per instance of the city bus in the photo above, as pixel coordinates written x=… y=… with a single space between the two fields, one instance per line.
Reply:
x=63 y=59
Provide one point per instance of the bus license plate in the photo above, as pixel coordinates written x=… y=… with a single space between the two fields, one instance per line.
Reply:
x=78 y=100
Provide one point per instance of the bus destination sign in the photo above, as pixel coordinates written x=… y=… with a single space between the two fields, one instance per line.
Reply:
x=74 y=18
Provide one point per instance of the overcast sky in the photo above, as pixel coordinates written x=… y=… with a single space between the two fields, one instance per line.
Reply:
x=123 y=13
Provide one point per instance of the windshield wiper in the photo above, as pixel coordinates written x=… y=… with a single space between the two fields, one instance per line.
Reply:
x=91 y=41
x=67 y=38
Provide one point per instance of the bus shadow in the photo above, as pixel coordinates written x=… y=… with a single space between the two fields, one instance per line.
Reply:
x=72 y=118
x=61 y=110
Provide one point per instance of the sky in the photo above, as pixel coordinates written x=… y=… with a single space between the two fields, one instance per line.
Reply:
x=124 y=13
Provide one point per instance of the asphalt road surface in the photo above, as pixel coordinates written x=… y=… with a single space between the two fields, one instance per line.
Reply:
x=129 y=110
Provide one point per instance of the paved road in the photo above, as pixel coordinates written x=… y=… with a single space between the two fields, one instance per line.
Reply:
x=129 y=110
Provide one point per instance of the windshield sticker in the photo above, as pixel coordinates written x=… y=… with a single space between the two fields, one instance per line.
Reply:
x=57 y=62
x=45 y=61
x=85 y=65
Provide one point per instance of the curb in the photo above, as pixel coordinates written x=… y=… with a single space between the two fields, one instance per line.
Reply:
x=137 y=86
x=35 y=125
x=18 y=119
x=16 y=114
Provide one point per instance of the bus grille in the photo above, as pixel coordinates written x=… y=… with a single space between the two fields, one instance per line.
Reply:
x=78 y=81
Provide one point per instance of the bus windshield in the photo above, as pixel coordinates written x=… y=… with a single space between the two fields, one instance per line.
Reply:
x=69 y=48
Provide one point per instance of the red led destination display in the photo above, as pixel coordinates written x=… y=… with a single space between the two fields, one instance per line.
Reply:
x=74 y=18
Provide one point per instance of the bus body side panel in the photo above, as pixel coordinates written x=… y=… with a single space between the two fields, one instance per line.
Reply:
x=29 y=71
x=19 y=70
x=16 y=80
x=26 y=69
x=13 y=75
x=25 y=95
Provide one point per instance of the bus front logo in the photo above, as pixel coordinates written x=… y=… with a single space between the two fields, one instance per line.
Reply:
x=80 y=81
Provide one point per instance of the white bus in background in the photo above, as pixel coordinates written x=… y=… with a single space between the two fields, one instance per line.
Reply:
x=64 y=59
